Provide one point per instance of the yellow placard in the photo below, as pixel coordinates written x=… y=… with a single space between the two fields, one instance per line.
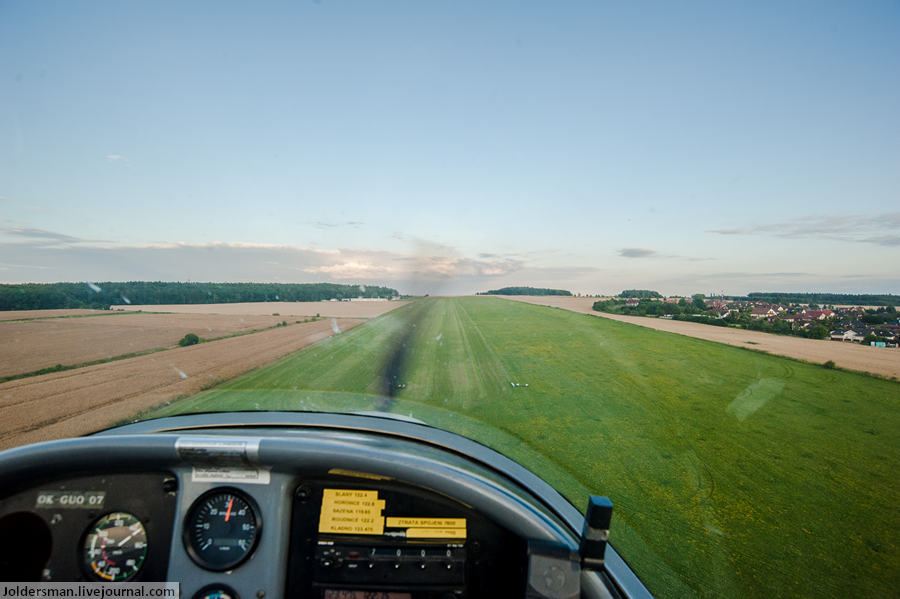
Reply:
x=426 y=523
x=436 y=533
x=376 y=528
x=364 y=519
x=373 y=505
x=348 y=494
x=351 y=511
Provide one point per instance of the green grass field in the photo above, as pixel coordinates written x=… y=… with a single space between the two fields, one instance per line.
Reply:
x=733 y=473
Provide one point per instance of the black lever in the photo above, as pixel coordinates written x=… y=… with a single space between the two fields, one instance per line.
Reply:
x=595 y=533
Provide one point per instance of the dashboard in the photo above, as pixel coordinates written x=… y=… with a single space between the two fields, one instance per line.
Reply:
x=324 y=506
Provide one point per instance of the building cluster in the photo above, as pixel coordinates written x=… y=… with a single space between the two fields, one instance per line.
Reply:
x=844 y=323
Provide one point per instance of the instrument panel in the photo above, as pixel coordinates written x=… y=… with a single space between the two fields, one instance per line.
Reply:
x=295 y=505
x=346 y=537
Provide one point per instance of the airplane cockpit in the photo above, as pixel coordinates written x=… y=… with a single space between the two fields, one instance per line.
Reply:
x=256 y=505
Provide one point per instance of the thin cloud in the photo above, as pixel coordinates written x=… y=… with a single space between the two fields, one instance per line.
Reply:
x=886 y=240
x=638 y=253
x=7 y=266
x=743 y=282
x=323 y=224
x=425 y=246
x=118 y=158
x=440 y=267
x=42 y=235
x=877 y=229
x=770 y=275
x=212 y=245
x=241 y=261
x=555 y=276
x=355 y=270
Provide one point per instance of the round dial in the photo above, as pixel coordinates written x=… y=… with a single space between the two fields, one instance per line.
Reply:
x=216 y=591
x=221 y=529
x=115 y=547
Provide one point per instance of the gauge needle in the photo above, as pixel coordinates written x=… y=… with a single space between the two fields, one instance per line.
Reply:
x=126 y=539
x=228 y=512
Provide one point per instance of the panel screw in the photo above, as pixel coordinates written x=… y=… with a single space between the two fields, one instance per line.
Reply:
x=303 y=493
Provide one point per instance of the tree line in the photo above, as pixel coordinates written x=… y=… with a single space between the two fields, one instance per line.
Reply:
x=525 y=291
x=102 y=295
x=640 y=293
x=849 y=299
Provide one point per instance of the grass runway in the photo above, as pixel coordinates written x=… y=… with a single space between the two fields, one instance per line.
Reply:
x=733 y=473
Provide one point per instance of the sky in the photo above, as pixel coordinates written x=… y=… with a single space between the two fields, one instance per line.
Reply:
x=454 y=147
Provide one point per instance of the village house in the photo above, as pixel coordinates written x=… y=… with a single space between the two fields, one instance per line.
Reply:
x=819 y=314
x=763 y=312
x=849 y=335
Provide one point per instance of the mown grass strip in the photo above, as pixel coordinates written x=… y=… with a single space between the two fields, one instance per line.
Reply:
x=734 y=473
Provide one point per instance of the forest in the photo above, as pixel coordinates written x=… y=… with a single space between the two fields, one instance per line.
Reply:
x=102 y=295
x=640 y=293
x=525 y=291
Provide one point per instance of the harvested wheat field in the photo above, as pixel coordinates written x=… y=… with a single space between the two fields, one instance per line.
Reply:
x=26 y=346
x=28 y=314
x=356 y=309
x=875 y=360
x=83 y=400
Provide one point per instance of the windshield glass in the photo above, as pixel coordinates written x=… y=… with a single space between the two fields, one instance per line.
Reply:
x=649 y=251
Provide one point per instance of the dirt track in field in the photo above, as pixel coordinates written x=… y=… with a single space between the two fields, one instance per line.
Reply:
x=26 y=346
x=876 y=360
x=23 y=314
x=83 y=400
x=293 y=309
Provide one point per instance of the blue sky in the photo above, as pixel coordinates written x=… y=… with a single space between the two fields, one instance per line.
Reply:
x=452 y=147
